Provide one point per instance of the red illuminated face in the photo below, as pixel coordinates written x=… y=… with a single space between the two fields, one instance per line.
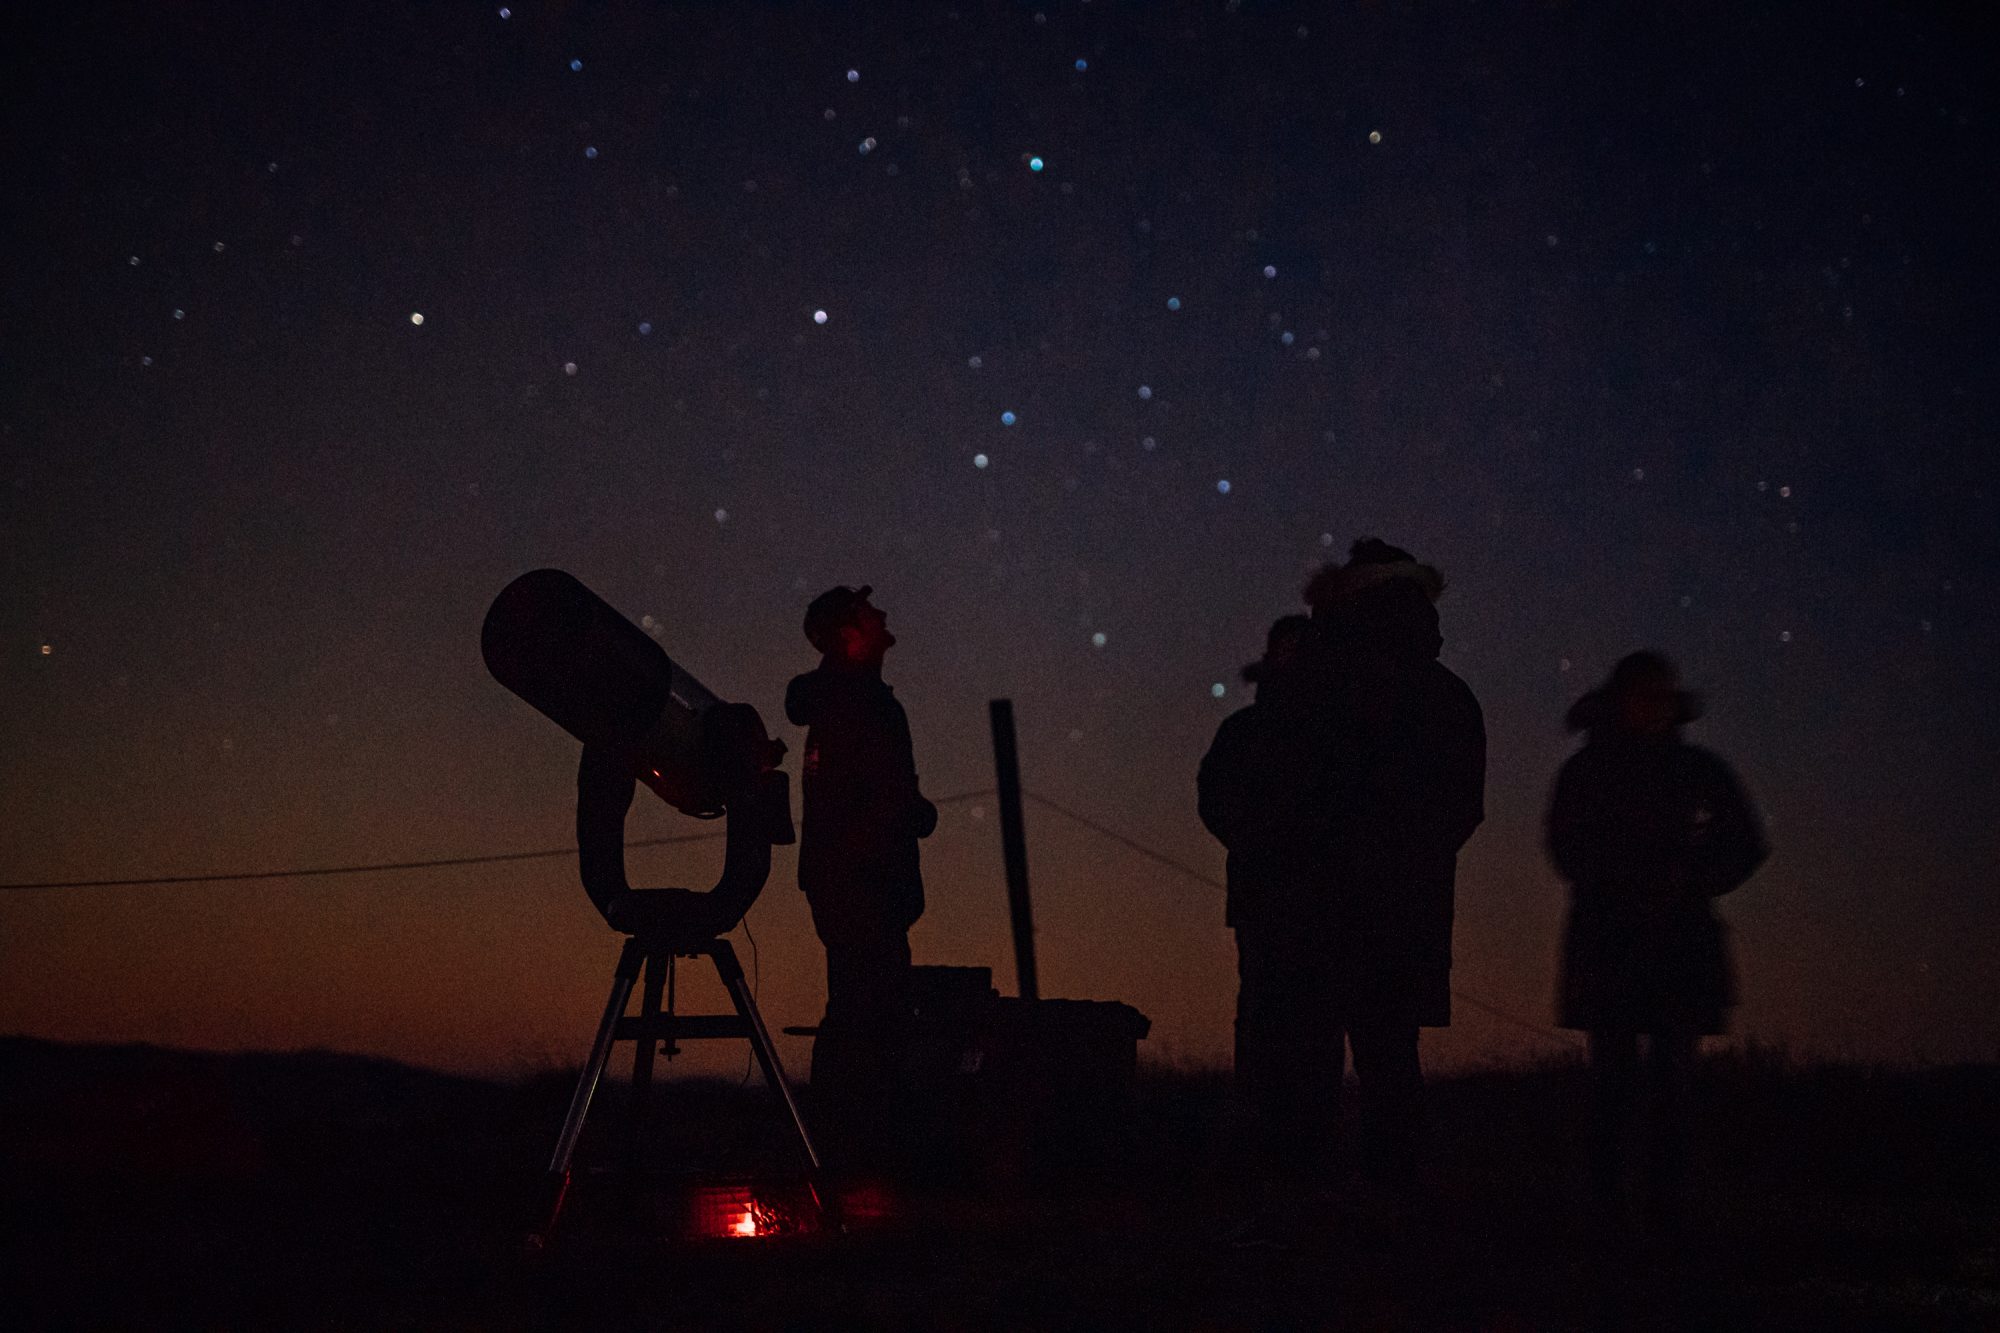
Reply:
x=867 y=640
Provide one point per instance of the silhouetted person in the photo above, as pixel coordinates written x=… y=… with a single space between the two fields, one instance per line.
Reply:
x=1262 y=790
x=1418 y=744
x=1648 y=830
x=1343 y=795
x=858 y=865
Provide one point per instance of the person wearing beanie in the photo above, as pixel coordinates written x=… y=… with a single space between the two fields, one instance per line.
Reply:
x=1649 y=830
x=859 y=867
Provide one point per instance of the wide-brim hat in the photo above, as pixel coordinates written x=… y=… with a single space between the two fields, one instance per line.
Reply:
x=1599 y=707
x=1293 y=629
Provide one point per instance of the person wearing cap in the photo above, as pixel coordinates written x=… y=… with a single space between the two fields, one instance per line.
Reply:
x=858 y=863
x=1413 y=739
x=1649 y=830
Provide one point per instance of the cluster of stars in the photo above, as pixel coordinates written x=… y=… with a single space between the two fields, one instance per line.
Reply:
x=1036 y=164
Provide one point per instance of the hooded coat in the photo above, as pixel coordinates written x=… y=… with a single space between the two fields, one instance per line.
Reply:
x=1648 y=833
x=858 y=857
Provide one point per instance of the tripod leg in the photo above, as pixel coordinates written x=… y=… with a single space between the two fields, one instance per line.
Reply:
x=760 y=1042
x=586 y=1086
x=642 y=1055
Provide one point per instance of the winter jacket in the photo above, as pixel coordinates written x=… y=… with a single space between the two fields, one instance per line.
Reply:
x=1265 y=789
x=1344 y=809
x=1393 y=861
x=858 y=859
x=1648 y=833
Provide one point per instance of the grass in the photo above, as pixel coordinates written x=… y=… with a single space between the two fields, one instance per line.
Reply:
x=153 y=1188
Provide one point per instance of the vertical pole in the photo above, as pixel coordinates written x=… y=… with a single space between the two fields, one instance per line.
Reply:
x=1014 y=846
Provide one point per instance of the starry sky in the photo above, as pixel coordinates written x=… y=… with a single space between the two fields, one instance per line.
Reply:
x=1083 y=332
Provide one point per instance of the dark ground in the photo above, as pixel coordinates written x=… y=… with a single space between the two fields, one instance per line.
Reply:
x=151 y=1188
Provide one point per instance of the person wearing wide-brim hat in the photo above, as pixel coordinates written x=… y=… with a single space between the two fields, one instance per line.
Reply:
x=1262 y=791
x=1649 y=830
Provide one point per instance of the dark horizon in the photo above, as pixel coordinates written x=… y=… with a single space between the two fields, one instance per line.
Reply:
x=1670 y=331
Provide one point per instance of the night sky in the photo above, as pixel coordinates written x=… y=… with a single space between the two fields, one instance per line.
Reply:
x=1671 y=330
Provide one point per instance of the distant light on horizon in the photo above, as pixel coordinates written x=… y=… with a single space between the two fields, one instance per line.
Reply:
x=416 y=317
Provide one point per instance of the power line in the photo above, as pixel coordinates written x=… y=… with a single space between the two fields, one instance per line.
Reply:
x=1484 y=1006
x=311 y=872
x=497 y=858
x=1126 y=842
x=385 y=867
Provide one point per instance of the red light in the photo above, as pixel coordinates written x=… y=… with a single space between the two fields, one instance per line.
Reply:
x=740 y=1212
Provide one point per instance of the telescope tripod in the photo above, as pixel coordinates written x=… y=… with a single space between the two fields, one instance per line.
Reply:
x=647 y=1031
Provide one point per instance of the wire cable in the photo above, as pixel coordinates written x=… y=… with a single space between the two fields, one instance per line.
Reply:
x=500 y=858
x=1487 y=1007
x=386 y=867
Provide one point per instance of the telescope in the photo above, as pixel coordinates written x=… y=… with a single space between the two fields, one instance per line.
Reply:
x=573 y=658
x=642 y=719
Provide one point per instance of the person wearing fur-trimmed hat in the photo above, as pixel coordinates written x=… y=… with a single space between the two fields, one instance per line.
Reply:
x=1649 y=830
x=858 y=864
x=1414 y=737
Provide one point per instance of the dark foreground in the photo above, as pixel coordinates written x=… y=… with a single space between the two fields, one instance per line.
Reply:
x=155 y=1189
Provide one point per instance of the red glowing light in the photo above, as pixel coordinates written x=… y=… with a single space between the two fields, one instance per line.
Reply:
x=744 y=1212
